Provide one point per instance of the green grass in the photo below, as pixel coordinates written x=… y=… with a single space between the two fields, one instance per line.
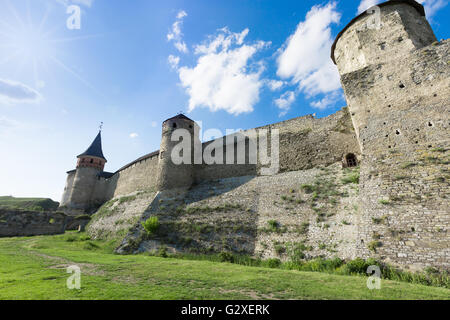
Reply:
x=33 y=204
x=35 y=268
x=352 y=177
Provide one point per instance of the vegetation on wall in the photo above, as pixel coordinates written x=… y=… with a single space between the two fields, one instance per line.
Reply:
x=151 y=225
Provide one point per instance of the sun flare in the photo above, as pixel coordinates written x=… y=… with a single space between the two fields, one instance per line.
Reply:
x=28 y=44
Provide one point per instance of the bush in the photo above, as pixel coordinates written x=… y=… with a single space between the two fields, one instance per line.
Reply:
x=162 y=252
x=351 y=178
x=357 y=266
x=296 y=251
x=70 y=239
x=279 y=249
x=307 y=188
x=304 y=228
x=384 y=202
x=321 y=265
x=90 y=245
x=126 y=199
x=373 y=245
x=273 y=263
x=226 y=257
x=151 y=225
x=273 y=225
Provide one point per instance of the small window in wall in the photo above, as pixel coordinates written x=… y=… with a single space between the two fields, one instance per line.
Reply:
x=174 y=125
x=92 y=160
x=350 y=160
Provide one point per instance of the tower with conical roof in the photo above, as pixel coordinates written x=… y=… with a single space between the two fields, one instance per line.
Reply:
x=80 y=190
x=93 y=157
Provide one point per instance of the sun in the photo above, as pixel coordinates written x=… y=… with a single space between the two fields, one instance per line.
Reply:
x=30 y=45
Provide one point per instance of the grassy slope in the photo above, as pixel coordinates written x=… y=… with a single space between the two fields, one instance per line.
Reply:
x=34 y=268
x=40 y=204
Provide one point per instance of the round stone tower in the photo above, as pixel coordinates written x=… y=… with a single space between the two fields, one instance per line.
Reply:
x=383 y=33
x=383 y=36
x=176 y=155
x=395 y=76
x=81 y=182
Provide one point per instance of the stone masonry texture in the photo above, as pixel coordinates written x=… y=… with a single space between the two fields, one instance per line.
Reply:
x=394 y=206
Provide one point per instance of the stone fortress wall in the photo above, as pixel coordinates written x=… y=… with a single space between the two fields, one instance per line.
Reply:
x=396 y=79
x=22 y=223
x=305 y=142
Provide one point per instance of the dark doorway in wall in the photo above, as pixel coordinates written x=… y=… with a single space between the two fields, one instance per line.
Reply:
x=350 y=160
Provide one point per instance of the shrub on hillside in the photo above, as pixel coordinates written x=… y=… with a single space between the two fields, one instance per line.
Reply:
x=151 y=225
x=272 y=263
x=226 y=257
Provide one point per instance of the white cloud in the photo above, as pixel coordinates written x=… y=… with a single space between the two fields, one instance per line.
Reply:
x=225 y=76
x=181 y=14
x=16 y=92
x=133 y=135
x=275 y=85
x=181 y=46
x=285 y=101
x=366 y=4
x=175 y=33
x=305 y=57
x=327 y=101
x=173 y=61
x=431 y=6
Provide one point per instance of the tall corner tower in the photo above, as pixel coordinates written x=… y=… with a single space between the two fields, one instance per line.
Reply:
x=81 y=182
x=369 y=53
x=396 y=80
x=171 y=174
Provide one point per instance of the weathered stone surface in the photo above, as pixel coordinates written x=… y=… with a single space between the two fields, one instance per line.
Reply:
x=399 y=105
x=118 y=215
x=396 y=80
x=234 y=214
x=30 y=223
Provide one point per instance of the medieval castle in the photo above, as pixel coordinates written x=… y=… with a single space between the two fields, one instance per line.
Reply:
x=394 y=133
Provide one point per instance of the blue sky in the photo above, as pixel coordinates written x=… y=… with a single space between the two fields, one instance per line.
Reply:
x=232 y=64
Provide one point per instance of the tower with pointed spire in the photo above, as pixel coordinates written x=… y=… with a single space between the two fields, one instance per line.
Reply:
x=82 y=184
x=93 y=157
